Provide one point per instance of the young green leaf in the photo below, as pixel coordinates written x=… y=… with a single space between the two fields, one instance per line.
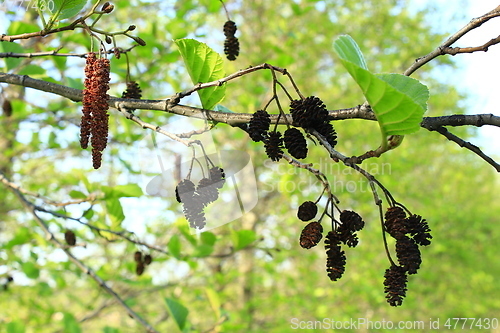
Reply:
x=203 y=65
x=178 y=311
x=399 y=102
x=64 y=9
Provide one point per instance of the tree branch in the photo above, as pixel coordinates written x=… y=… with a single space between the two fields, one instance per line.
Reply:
x=233 y=119
x=464 y=144
x=50 y=236
x=441 y=50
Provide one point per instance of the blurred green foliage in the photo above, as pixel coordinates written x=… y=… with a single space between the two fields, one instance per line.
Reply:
x=249 y=275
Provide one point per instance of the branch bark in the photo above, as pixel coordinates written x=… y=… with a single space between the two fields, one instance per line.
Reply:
x=235 y=119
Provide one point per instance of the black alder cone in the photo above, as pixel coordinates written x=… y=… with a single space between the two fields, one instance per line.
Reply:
x=419 y=230
x=335 y=257
x=274 y=146
x=307 y=211
x=184 y=190
x=217 y=176
x=395 y=285
x=309 y=112
x=137 y=256
x=70 y=237
x=148 y=259
x=229 y=28
x=395 y=223
x=231 y=48
x=207 y=191
x=132 y=91
x=328 y=132
x=408 y=254
x=295 y=143
x=311 y=235
x=259 y=125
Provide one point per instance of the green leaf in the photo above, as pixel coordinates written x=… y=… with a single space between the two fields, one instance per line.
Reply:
x=67 y=8
x=203 y=250
x=203 y=65
x=208 y=238
x=399 y=102
x=77 y=194
x=108 y=329
x=242 y=238
x=186 y=232
x=115 y=212
x=178 y=311
x=23 y=235
x=348 y=50
x=32 y=70
x=174 y=246
x=16 y=327
x=120 y=191
x=11 y=63
x=71 y=324
x=214 y=300
x=30 y=270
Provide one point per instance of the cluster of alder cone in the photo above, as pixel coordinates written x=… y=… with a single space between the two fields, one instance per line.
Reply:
x=410 y=232
x=231 y=44
x=195 y=198
x=141 y=261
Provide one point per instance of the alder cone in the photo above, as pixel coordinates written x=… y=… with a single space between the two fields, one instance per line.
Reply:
x=295 y=143
x=259 y=125
x=311 y=235
x=395 y=223
x=231 y=48
x=138 y=256
x=335 y=257
x=274 y=146
x=395 y=285
x=309 y=112
x=217 y=176
x=307 y=211
x=139 y=268
x=328 y=132
x=132 y=91
x=184 y=191
x=70 y=237
x=207 y=191
x=229 y=28
x=148 y=259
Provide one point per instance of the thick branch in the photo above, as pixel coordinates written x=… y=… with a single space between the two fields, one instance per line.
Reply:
x=234 y=119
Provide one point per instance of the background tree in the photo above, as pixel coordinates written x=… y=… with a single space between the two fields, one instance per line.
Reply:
x=249 y=275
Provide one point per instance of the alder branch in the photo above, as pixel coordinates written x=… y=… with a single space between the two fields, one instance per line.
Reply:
x=464 y=144
x=56 y=53
x=92 y=197
x=234 y=119
x=443 y=48
x=483 y=48
x=87 y=270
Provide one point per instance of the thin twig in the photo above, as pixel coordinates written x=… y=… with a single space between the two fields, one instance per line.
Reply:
x=56 y=53
x=441 y=50
x=464 y=144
